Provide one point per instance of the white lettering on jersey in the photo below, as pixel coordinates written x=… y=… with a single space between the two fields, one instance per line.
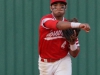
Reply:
x=63 y=45
x=54 y=35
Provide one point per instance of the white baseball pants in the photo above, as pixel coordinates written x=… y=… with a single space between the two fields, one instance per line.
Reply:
x=60 y=67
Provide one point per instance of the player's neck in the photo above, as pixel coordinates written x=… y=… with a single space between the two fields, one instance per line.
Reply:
x=60 y=18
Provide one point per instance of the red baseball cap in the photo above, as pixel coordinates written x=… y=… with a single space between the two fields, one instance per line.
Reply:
x=53 y=1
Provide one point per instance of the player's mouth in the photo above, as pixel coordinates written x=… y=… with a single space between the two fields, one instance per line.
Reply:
x=60 y=12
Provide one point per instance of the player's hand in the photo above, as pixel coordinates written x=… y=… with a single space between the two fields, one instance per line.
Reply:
x=85 y=27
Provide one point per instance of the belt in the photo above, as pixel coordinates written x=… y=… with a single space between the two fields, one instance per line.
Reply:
x=49 y=60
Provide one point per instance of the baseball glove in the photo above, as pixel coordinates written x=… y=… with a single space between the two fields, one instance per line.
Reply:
x=72 y=33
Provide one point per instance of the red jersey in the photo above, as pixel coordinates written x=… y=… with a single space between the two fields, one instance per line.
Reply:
x=52 y=44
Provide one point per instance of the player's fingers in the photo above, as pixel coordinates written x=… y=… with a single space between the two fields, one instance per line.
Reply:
x=73 y=37
x=74 y=33
x=87 y=28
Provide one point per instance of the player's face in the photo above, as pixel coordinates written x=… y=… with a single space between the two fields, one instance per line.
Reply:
x=58 y=9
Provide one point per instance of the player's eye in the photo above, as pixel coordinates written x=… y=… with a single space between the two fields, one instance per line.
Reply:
x=55 y=4
x=62 y=7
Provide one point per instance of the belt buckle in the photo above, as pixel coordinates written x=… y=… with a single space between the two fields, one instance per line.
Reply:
x=45 y=60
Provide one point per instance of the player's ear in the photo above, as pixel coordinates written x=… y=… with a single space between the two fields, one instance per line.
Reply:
x=50 y=8
x=65 y=7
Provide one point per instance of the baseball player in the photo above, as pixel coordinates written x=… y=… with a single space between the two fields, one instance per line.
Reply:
x=54 y=49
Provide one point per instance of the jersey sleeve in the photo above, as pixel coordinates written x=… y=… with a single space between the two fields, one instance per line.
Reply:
x=49 y=23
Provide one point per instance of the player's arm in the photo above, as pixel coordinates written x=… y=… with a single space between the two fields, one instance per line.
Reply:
x=66 y=25
x=62 y=25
